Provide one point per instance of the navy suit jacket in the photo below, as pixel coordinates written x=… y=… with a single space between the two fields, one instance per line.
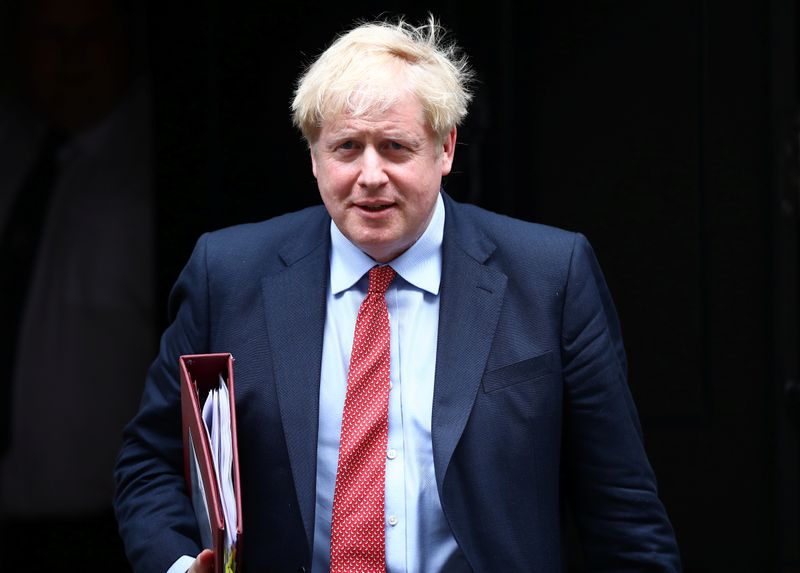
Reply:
x=531 y=409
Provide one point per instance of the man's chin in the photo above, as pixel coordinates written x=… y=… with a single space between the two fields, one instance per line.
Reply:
x=381 y=250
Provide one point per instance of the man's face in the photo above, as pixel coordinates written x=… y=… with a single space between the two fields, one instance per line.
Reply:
x=379 y=175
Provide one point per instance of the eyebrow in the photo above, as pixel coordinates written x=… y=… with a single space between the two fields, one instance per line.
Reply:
x=345 y=134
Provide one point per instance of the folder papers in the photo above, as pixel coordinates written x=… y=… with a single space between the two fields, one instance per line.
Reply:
x=210 y=454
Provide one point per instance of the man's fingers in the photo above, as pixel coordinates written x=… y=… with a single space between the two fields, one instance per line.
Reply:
x=204 y=562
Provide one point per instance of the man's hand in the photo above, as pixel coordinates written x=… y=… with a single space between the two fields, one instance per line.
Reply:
x=204 y=562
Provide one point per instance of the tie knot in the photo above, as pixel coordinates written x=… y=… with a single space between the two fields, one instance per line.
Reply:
x=380 y=278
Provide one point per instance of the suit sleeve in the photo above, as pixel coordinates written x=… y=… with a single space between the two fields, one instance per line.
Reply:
x=608 y=479
x=154 y=513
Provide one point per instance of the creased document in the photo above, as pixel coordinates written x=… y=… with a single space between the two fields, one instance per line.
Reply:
x=217 y=418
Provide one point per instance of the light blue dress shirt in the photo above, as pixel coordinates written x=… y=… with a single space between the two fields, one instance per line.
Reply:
x=418 y=538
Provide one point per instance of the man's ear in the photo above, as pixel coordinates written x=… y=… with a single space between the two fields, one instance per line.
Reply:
x=313 y=160
x=448 y=151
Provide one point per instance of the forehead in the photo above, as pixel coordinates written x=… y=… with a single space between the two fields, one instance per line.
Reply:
x=404 y=114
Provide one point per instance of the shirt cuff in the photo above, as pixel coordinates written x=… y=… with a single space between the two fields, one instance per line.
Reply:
x=181 y=565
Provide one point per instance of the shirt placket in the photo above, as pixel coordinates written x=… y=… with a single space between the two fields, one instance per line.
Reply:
x=395 y=500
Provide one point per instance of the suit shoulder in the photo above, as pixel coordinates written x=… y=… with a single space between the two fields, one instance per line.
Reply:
x=276 y=228
x=528 y=253
x=518 y=237
x=264 y=243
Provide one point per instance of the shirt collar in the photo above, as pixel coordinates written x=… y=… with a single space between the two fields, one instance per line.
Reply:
x=420 y=265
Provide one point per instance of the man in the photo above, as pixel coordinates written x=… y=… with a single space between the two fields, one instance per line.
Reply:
x=496 y=395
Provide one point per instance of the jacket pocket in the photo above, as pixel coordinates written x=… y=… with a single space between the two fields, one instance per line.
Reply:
x=519 y=372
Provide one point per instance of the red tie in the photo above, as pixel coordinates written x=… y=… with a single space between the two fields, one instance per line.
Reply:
x=357 y=528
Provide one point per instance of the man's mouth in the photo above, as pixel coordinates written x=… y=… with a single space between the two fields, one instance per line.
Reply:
x=375 y=208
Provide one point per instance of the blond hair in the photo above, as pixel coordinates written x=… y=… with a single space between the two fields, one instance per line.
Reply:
x=368 y=68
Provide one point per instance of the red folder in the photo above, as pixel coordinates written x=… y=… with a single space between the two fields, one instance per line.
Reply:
x=200 y=374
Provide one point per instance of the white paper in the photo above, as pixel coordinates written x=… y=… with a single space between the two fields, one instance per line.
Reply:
x=217 y=418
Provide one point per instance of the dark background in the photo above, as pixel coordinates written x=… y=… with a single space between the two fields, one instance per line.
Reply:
x=666 y=132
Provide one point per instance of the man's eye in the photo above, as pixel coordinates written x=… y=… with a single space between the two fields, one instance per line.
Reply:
x=396 y=146
x=346 y=145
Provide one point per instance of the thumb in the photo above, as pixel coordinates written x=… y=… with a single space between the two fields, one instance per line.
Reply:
x=204 y=562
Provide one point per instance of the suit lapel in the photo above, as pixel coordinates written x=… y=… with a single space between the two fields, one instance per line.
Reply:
x=294 y=302
x=471 y=297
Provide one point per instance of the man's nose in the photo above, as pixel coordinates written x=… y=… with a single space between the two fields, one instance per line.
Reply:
x=373 y=173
